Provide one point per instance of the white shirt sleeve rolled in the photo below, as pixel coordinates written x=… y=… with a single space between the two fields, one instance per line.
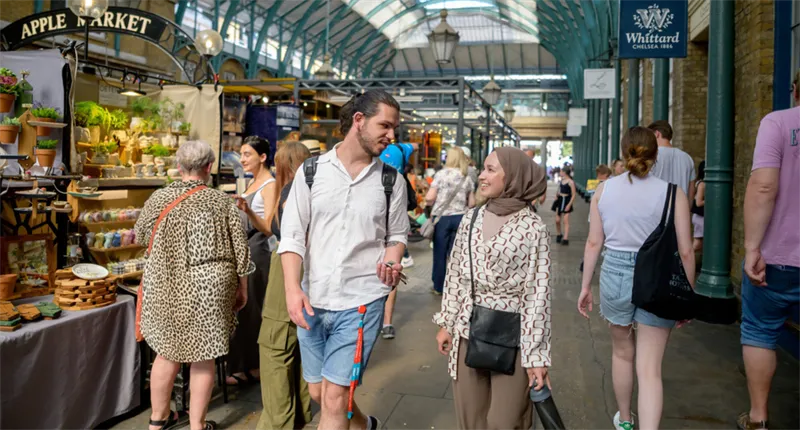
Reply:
x=296 y=217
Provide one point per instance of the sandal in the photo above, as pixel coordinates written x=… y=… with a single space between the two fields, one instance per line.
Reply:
x=171 y=422
x=210 y=425
x=239 y=381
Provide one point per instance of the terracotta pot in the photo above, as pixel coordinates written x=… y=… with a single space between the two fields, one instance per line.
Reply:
x=7 y=102
x=94 y=134
x=8 y=133
x=45 y=157
x=7 y=284
x=43 y=131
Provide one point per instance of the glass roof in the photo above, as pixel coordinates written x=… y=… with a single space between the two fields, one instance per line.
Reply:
x=474 y=29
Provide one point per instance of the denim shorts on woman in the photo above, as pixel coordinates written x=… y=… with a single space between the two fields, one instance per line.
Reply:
x=616 y=289
x=329 y=347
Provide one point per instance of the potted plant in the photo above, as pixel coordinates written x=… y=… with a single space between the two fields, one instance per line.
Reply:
x=9 y=129
x=46 y=152
x=92 y=116
x=102 y=151
x=119 y=124
x=155 y=153
x=44 y=114
x=8 y=89
x=171 y=114
x=144 y=108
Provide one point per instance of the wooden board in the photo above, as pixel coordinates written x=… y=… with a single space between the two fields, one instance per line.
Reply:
x=86 y=307
x=29 y=312
x=7 y=311
x=11 y=328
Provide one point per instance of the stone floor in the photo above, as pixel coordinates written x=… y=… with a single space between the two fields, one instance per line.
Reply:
x=407 y=387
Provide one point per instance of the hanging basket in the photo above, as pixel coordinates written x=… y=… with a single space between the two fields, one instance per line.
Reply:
x=45 y=157
x=43 y=131
x=7 y=102
x=8 y=133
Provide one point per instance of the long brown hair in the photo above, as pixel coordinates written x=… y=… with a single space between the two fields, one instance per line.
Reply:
x=288 y=159
x=640 y=149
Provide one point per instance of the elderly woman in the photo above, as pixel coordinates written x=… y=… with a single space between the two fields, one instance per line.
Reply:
x=194 y=282
x=509 y=297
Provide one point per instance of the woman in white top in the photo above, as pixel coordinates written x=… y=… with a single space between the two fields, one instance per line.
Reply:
x=256 y=205
x=624 y=212
x=451 y=194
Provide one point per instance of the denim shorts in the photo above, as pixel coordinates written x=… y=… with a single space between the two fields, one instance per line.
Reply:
x=765 y=309
x=616 y=290
x=328 y=348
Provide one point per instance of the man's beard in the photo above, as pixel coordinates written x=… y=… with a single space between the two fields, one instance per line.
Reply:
x=367 y=144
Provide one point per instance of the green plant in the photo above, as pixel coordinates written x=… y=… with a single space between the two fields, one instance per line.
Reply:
x=89 y=114
x=47 y=144
x=145 y=106
x=104 y=148
x=171 y=111
x=119 y=120
x=8 y=82
x=41 y=111
x=157 y=150
x=185 y=128
x=10 y=120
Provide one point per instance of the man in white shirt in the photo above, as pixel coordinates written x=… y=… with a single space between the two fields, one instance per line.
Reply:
x=338 y=230
x=672 y=164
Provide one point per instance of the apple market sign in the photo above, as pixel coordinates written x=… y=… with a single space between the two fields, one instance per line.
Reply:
x=123 y=20
x=653 y=29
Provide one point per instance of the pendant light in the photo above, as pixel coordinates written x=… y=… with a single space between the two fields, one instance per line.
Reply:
x=509 y=111
x=491 y=92
x=443 y=40
x=326 y=72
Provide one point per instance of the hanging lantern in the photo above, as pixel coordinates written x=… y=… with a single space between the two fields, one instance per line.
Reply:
x=443 y=40
x=491 y=92
x=88 y=8
x=508 y=111
x=325 y=72
x=208 y=43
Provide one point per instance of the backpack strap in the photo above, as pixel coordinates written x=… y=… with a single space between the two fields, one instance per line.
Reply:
x=388 y=178
x=310 y=169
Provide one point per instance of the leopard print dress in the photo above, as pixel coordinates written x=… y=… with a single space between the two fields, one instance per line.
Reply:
x=192 y=272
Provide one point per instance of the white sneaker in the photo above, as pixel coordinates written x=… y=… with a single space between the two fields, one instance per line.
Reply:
x=407 y=262
x=624 y=425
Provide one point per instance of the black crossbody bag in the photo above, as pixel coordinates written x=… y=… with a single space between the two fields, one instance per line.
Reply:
x=493 y=335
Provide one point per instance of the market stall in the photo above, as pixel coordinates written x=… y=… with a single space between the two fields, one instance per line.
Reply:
x=75 y=171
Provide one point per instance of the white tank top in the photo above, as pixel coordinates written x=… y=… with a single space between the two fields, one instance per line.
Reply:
x=258 y=199
x=631 y=211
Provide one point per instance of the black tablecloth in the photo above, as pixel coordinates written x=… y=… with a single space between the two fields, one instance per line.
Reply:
x=73 y=372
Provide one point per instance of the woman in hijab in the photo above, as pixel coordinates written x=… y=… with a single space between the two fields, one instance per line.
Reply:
x=500 y=262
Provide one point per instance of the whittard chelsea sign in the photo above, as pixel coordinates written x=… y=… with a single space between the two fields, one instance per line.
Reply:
x=653 y=29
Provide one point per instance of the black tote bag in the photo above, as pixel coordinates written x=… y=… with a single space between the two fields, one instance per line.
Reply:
x=660 y=285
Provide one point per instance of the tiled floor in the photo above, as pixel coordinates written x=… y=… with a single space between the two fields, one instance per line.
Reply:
x=407 y=386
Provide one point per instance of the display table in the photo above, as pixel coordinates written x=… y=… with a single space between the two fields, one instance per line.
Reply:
x=76 y=371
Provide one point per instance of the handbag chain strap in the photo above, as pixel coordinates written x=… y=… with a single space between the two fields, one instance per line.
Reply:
x=469 y=251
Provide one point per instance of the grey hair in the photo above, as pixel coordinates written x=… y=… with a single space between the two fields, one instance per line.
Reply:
x=193 y=156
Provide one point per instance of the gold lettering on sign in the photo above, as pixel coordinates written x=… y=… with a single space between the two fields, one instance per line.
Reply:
x=145 y=21
x=132 y=23
x=109 y=19
x=61 y=19
x=42 y=23
x=121 y=18
x=26 y=32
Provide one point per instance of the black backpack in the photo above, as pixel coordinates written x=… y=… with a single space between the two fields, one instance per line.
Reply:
x=411 y=195
x=388 y=178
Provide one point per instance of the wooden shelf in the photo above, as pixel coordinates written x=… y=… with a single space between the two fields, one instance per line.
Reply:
x=118 y=249
x=132 y=275
x=47 y=124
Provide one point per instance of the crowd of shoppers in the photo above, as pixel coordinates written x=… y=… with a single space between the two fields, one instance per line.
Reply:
x=294 y=280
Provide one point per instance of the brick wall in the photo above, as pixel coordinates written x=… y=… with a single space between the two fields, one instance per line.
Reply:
x=753 y=64
x=647 y=92
x=232 y=66
x=624 y=109
x=689 y=100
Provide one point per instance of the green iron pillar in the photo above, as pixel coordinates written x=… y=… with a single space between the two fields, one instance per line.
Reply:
x=714 y=278
x=604 y=132
x=598 y=127
x=615 y=112
x=661 y=90
x=633 y=92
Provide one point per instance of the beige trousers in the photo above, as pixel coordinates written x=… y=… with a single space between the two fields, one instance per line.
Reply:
x=490 y=400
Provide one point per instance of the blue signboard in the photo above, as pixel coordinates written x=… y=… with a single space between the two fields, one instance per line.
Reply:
x=653 y=29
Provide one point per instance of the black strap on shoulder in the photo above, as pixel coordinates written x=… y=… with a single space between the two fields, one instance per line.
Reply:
x=310 y=169
x=388 y=178
x=469 y=251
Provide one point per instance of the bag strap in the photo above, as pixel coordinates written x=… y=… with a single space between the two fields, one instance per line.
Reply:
x=454 y=194
x=388 y=178
x=167 y=209
x=469 y=251
x=673 y=193
x=668 y=201
x=309 y=170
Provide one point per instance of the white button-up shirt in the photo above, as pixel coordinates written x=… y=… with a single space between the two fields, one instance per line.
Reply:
x=346 y=224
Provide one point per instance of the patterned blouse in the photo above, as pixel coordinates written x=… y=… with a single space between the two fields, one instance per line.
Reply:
x=445 y=181
x=512 y=273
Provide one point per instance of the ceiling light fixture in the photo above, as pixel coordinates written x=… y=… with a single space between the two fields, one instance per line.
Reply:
x=443 y=40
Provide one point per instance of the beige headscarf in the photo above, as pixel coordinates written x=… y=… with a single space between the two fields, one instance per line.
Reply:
x=524 y=182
